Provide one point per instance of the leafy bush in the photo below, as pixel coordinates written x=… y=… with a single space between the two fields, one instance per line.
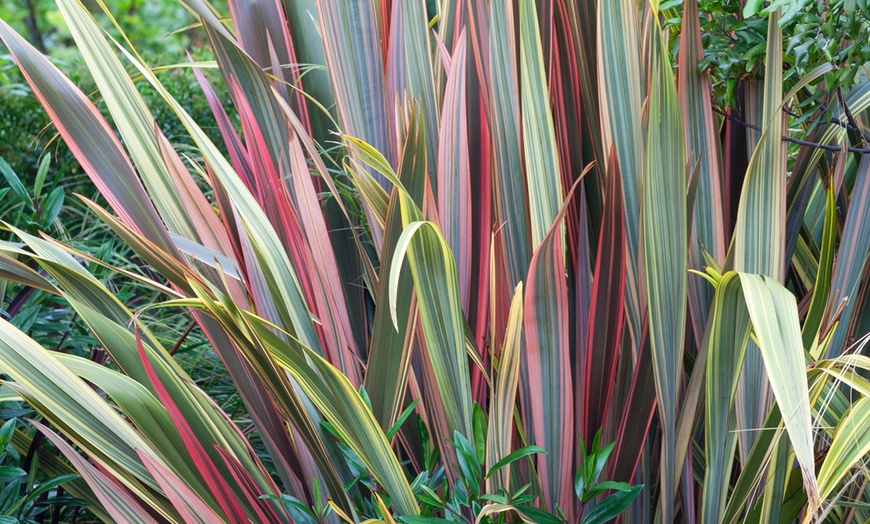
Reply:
x=26 y=496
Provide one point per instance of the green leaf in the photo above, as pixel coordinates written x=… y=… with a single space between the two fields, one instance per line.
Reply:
x=6 y=432
x=513 y=457
x=15 y=182
x=752 y=8
x=479 y=425
x=52 y=483
x=609 y=508
x=469 y=466
x=296 y=509
x=605 y=486
x=580 y=482
x=52 y=206
x=538 y=516
x=40 y=176
x=11 y=472
x=601 y=455
x=401 y=419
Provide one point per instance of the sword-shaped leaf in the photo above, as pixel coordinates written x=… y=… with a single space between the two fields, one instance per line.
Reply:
x=744 y=300
x=665 y=257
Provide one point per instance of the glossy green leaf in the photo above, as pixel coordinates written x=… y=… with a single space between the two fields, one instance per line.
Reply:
x=610 y=507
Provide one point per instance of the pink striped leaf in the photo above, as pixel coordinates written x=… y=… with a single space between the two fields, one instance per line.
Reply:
x=547 y=367
x=118 y=502
x=606 y=310
x=89 y=137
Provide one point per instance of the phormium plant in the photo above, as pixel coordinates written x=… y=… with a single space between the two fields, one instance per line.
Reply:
x=535 y=231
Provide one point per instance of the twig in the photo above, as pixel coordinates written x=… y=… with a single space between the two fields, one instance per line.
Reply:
x=826 y=147
x=833 y=120
x=177 y=345
x=67 y=332
x=849 y=116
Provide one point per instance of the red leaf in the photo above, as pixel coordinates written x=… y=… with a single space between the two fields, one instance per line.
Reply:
x=607 y=309
x=548 y=397
x=264 y=510
x=189 y=505
x=637 y=415
x=210 y=474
